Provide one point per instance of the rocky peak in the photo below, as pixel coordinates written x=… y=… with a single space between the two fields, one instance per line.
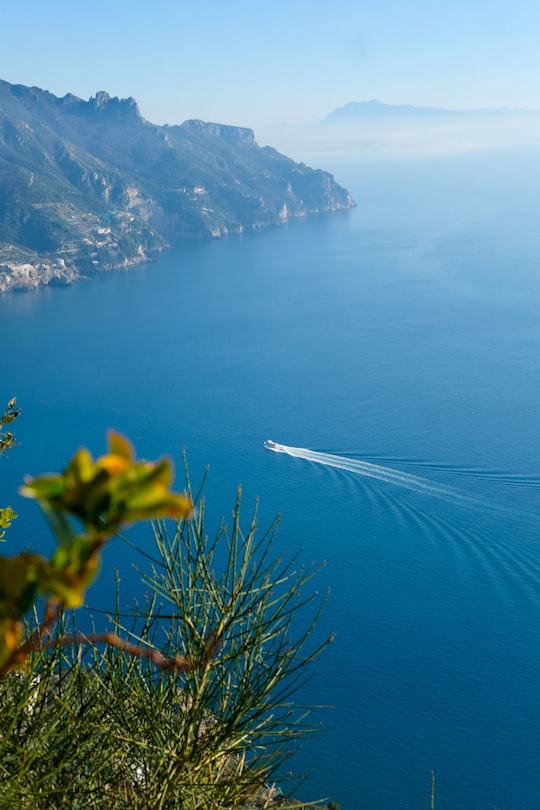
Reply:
x=100 y=100
x=103 y=103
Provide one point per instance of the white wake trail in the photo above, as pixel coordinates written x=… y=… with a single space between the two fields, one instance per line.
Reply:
x=387 y=474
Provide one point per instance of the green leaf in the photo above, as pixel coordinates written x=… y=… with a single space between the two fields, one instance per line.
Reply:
x=6 y=516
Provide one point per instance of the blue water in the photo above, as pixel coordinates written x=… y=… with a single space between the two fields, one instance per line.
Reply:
x=403 y=335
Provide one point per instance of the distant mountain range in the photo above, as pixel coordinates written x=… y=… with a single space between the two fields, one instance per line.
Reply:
x=91 y=185
x=373 y=125
x=357 y=111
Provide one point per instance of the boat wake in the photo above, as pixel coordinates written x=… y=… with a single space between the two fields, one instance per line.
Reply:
x=391 y=476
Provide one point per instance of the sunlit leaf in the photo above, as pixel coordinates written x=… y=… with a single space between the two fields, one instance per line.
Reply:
x=120 y=446
x=111 y=491
x=7 y=515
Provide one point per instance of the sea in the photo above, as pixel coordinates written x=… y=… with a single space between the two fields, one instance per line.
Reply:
x=393 y=353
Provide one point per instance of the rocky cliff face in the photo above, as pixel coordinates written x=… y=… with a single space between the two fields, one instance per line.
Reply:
x=240 y=135
x=90 y=185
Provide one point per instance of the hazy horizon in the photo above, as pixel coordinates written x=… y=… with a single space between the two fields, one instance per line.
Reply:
x=239 y=63
x=373 y=127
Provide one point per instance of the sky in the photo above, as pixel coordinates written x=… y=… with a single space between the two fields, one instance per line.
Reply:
x=255 y=63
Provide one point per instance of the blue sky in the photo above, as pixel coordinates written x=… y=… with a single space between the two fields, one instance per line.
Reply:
x=258 y=63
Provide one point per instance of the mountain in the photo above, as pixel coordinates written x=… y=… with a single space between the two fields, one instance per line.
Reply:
x=91 y=185
x=374 y=110
x=360 y=127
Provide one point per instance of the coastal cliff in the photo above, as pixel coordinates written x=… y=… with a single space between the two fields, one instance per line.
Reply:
x=88 y=186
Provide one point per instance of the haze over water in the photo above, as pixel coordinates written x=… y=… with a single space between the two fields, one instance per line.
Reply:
x=403 y=335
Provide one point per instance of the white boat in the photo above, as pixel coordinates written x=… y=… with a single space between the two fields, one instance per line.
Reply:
x=270 y=445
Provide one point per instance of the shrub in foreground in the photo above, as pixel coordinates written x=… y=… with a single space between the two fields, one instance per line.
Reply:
x=185 y=700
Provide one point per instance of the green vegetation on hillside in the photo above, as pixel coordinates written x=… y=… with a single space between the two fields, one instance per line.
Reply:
x=90 y=185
